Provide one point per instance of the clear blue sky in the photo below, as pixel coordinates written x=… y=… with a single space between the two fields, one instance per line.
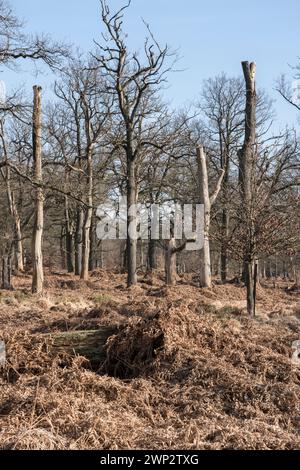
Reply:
x=213 y=36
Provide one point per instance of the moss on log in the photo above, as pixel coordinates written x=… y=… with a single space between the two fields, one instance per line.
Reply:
x=89 y=344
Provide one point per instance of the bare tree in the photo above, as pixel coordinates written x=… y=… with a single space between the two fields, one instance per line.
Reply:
x=247 y=169
x=38 y=274
x=13 y=209
x=16 y=45
x=207 y=201
x=135 y=85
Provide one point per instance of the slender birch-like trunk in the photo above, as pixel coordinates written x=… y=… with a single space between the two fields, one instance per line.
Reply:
x=37 y=256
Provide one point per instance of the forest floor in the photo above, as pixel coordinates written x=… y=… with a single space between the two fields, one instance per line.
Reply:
x=187 y=369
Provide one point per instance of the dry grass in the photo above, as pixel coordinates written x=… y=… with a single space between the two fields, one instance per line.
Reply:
x=187 y=369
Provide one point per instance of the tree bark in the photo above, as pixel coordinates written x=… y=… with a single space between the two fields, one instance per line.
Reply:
x=78 y=240
x=131 y=223
x=89 y=188
x=6 y=273
x=62 y=248
x=205 y=268
x=13 y=209
x=170 y=262
x=247 y=163
x=37 y=256
x=69 y=230
x=70 y=251
x=225 y=227
x=18 y=244
x=89 y=344
x=152 y=257
x=87 y=221
x=93 y=247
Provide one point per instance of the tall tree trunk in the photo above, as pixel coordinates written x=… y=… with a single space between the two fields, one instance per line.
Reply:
x=205 y=268
x=70 y=251
x=247 y=179
x=62 y=248
x=6 y=273
x=224 y=250
x=88 y=219
x=132 y=223
x=101 y=258
x=93 y=249
x=78 y=240
x=152 y=257
x=18 y=244
x=69 y=229
x=19 y=253
x=37 y=256
x=170 y=262
x=13 y=209
x=225 y=229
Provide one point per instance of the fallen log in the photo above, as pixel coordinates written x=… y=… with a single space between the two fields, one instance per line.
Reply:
x=89 y=344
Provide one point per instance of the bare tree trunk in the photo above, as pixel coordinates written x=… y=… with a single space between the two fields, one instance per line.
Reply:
x=6 y=273
x=284 y=269
x=37 y=256
x=142 y=261
x=205 y=268
x=247 y=179
x=152 y=258
x=18 y=244
x=93 y=249
x=207 y=201
x=69 y=251
x=88 y=220
x=224 y=249
x=101 y=258
x=132 y=223
x=69 y=229
x=62 y=248
x=78 y=240
x=170 y=262
x=123 y=257
x=225 y=227
x=263 y=269
x=19 y=254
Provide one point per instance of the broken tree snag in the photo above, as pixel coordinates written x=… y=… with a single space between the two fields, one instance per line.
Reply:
x=205 y=268
x=207 y=201
x=247 y=167
x=247 y=154
x=37 y=256
x=88 y=344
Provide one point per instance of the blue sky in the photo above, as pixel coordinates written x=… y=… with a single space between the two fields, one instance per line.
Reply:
x=212 y=36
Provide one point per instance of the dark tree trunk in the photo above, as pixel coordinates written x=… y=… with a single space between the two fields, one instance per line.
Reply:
x=78 y=240
x=152 y=255
x=6 y=273
x=69 y=229
x=225 y=223
x=62 y=250
x=70 y=251
x=93 y=248
x=124 y=262
x=247 y=162
x=224 y=251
